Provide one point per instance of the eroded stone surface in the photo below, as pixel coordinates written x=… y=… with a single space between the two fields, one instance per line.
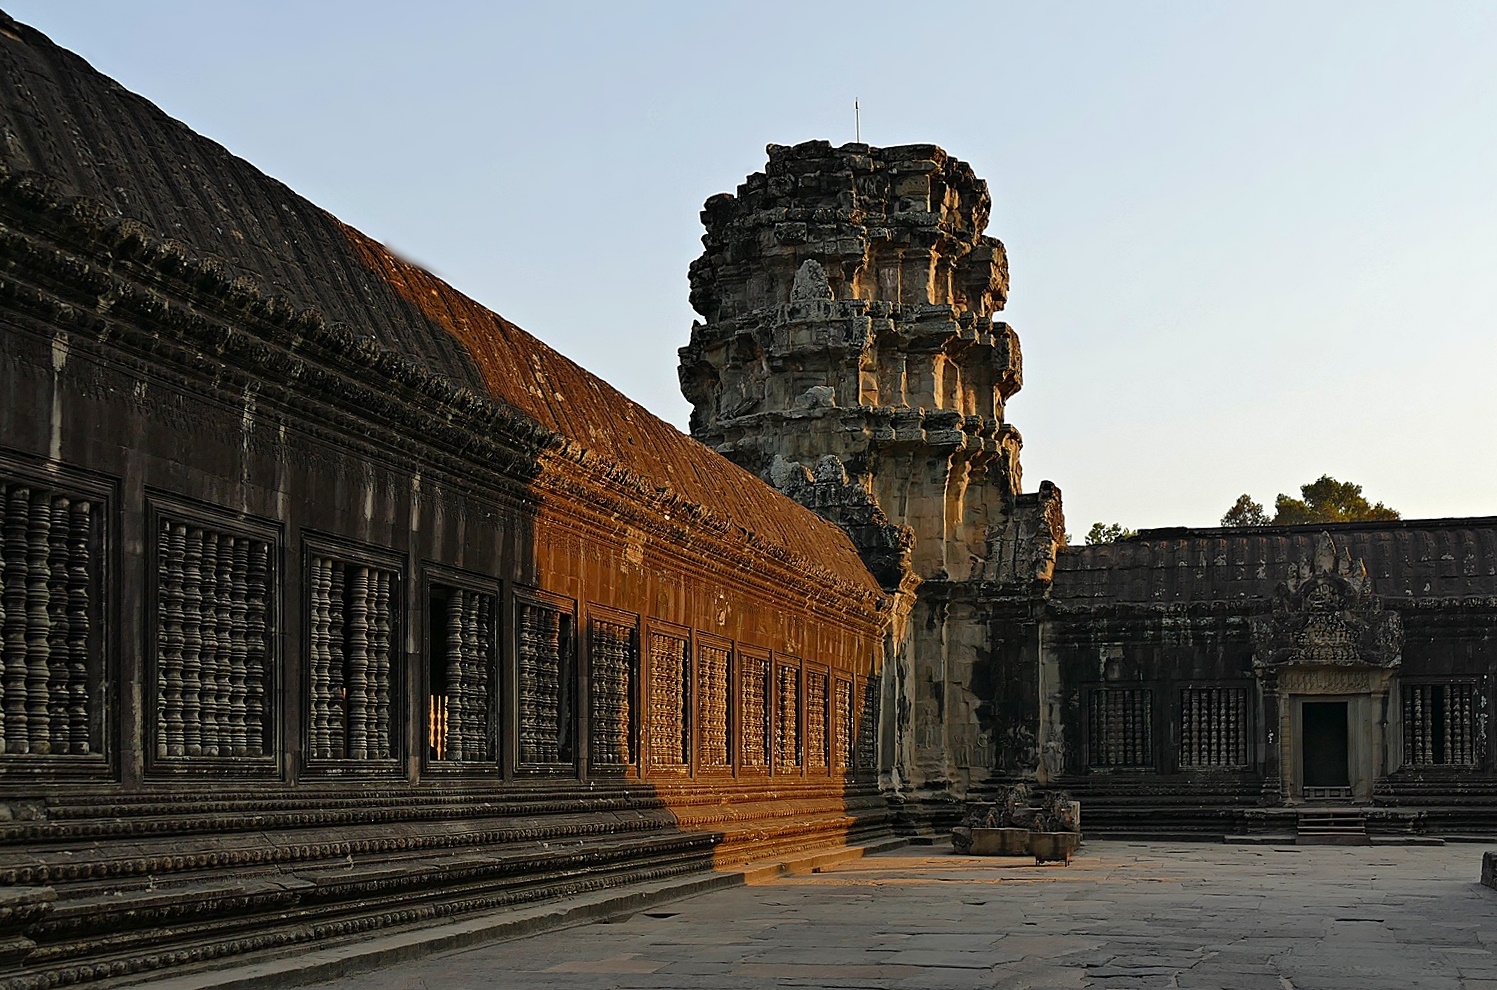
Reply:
x=849 y=355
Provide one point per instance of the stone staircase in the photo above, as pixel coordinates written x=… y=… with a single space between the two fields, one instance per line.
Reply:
x=1332 y=827
x=106 y=885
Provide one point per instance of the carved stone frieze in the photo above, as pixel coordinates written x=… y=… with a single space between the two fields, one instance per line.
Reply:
x=1326 y=614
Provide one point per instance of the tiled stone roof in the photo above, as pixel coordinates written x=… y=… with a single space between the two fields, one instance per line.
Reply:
x=90 y=138
x=1405 y=559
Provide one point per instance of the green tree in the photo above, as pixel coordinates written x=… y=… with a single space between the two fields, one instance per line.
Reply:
x=1245 y=512
x=1108 y=533
x=1329 y=500
x=1322 y=500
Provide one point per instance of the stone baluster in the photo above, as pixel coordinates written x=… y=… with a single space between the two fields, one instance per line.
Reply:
x=787 y=750
x=843 y=739
x=322 y=658
x=713 y=700
x=80 y=533
x=171 y=553
x=452 y=676
x=360 y=698
x=475 y=659
x=337 y=696
x=755 y=713
x=223 y=652
x=4 y=508
x=530 y=749
x=38 y=644
x=461 y=674
x=208 y=672
x=1468 y=736
x=868 y=726
x=665 y=710
x=192 y=643
x=486 y=679
x=56 y=687
x=257 y=647
x=238 y=582
x=13 y=644
x=382 y=662
x=548 y=687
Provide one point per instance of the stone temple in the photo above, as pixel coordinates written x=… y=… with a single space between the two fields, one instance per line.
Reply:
x=332 y=602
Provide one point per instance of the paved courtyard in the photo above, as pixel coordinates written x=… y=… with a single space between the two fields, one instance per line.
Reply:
x=1123 y=915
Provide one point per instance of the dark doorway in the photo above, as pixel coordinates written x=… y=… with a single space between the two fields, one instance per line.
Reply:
x=1324 y=744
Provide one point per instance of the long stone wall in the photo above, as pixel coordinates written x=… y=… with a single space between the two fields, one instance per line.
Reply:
x=298 y=640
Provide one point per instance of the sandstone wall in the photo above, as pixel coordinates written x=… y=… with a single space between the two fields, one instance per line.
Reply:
x=848 y=353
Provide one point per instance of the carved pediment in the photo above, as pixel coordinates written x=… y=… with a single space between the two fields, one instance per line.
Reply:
x=1326 y=613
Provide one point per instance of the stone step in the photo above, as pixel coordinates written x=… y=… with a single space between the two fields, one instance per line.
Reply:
x=1332 y=827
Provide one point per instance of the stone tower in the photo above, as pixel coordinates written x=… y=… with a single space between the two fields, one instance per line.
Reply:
x=848 y=354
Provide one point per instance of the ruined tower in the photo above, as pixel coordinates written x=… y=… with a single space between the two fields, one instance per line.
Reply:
x=848 y=354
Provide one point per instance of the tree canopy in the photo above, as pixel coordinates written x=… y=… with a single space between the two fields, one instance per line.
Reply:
x=1322 y=500
x=1108 y=533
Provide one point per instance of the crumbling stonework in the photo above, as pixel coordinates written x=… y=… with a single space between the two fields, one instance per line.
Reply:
x=849 y=355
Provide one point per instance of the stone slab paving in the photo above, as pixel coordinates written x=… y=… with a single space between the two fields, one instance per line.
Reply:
x=1121 y=916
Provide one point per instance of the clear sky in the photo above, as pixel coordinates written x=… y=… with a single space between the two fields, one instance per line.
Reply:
x=1251 y=242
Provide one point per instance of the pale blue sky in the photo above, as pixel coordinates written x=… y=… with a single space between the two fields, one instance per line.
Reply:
x=1251 y=242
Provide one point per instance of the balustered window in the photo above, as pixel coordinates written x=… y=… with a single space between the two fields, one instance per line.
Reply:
x=816 y=719
x=1120 y=728
x=615 y=673
x=713 y=664
x=1440 y=724
x=547 y=669
x=461 y=675
x=755 y=694
x=50 y=647
x=670 y=701
x=843 y=722
x=787 y=749
x=1213 y=725
x=867 y=728
x=353 y=636
x=214 y=633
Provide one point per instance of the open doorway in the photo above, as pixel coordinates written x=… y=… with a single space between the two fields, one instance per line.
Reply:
x=1324 y=744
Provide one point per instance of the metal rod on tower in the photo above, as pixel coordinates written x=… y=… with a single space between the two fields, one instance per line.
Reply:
x=857 y=123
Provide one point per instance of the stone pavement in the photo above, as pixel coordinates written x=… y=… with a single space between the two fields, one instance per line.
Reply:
x=1123 y=915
